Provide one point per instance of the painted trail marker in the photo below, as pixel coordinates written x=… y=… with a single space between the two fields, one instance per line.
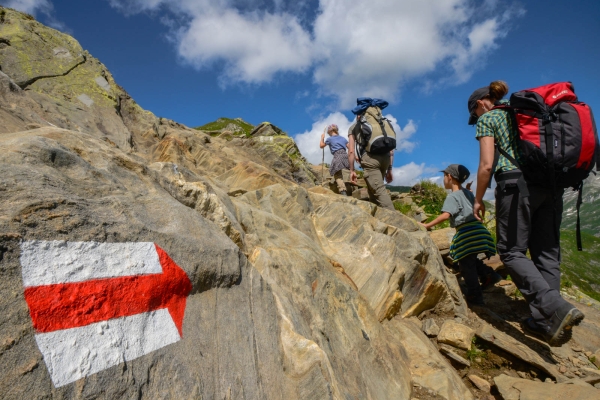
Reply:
x=96 y=305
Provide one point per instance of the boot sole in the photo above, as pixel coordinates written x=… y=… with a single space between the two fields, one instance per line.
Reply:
x=564 y=332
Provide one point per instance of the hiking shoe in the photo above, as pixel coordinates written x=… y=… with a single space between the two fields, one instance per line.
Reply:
x=490 y=280
x=534 y=328
x=561 y=323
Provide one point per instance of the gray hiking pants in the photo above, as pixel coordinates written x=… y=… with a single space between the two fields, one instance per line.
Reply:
x=532 y=223
x=375 y=167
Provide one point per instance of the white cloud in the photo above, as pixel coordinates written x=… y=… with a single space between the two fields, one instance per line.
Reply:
x=371 y=54
x=351 y=49
x=308 y=141
x=29 y=6
x=254 y=47
x=408 y=174
x=412 y=173
x=489 y=193
x=403 y=134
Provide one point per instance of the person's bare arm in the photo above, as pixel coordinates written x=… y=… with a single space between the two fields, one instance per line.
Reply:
x=441 y=218
x=389 y=177
x=322 y=144
x=484 y=174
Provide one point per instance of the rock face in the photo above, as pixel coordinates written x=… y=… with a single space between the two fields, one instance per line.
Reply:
x=520 y=389
x=62 y=79
x=289 y=284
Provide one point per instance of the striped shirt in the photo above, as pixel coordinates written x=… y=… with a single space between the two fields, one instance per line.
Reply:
x=471 y=238
x=499 y=125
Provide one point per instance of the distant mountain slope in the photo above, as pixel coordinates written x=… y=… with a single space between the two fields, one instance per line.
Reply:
x=398 y=189
x=236 y=126
x=581 y=268
x=590 y=209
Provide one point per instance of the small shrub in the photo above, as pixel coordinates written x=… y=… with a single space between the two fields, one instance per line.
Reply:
x=565 y=282
x=431 y=200
x=403 y=208
x=474 y=352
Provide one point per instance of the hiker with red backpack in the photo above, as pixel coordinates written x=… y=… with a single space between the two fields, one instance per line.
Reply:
x=536 y=145
x=374 y=139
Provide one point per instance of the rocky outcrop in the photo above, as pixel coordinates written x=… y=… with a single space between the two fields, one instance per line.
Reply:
x=288 y=284
x=240 y=278
x=520 y=389
x=64 y=80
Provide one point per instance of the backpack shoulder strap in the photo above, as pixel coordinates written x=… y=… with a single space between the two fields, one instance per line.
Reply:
x=521 y=184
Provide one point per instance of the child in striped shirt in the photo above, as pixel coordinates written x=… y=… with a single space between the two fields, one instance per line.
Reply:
x=472 y=237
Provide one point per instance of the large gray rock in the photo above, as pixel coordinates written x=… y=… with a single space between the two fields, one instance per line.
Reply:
x=517 y=349
x=521 y=389
x=427 y=366
x=64 y=185
x=288 y=283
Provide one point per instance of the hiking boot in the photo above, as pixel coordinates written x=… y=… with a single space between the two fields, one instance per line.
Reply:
x=490 y=280
x=535 y=328
x=561 y=323
x=343 y=193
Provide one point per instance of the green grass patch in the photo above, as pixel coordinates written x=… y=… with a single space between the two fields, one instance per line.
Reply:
x=581 y=268
x=222 y=123
x=403 y=208
x=432 y=198
x=475 y=352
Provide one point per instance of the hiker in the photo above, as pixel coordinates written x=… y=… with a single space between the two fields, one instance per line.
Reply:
x=522 y=222
x=472 y=237
x=375 y=153
x=337 y=145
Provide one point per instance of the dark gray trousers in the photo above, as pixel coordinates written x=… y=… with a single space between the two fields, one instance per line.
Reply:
x=531 y=223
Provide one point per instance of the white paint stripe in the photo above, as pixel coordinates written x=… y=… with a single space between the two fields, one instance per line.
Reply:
x=47 y=263
x=75 y=353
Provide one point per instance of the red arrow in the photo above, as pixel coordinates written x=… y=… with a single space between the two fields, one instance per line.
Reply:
x=71 y=305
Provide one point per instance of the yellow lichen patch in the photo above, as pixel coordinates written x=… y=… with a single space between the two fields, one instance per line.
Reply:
x=35 y=49
x=80 y=81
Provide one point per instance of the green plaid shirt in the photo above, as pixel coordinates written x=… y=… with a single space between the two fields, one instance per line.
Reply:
x=499 y=125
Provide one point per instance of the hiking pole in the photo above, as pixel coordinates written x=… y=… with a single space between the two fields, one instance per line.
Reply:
x=323 y=167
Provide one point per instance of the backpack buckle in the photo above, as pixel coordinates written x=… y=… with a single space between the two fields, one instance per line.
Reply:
x=550 y=117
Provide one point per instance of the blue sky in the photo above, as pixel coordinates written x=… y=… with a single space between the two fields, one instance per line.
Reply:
x=301 y=64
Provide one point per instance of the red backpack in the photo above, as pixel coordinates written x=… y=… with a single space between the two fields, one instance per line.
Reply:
x=557 y=137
